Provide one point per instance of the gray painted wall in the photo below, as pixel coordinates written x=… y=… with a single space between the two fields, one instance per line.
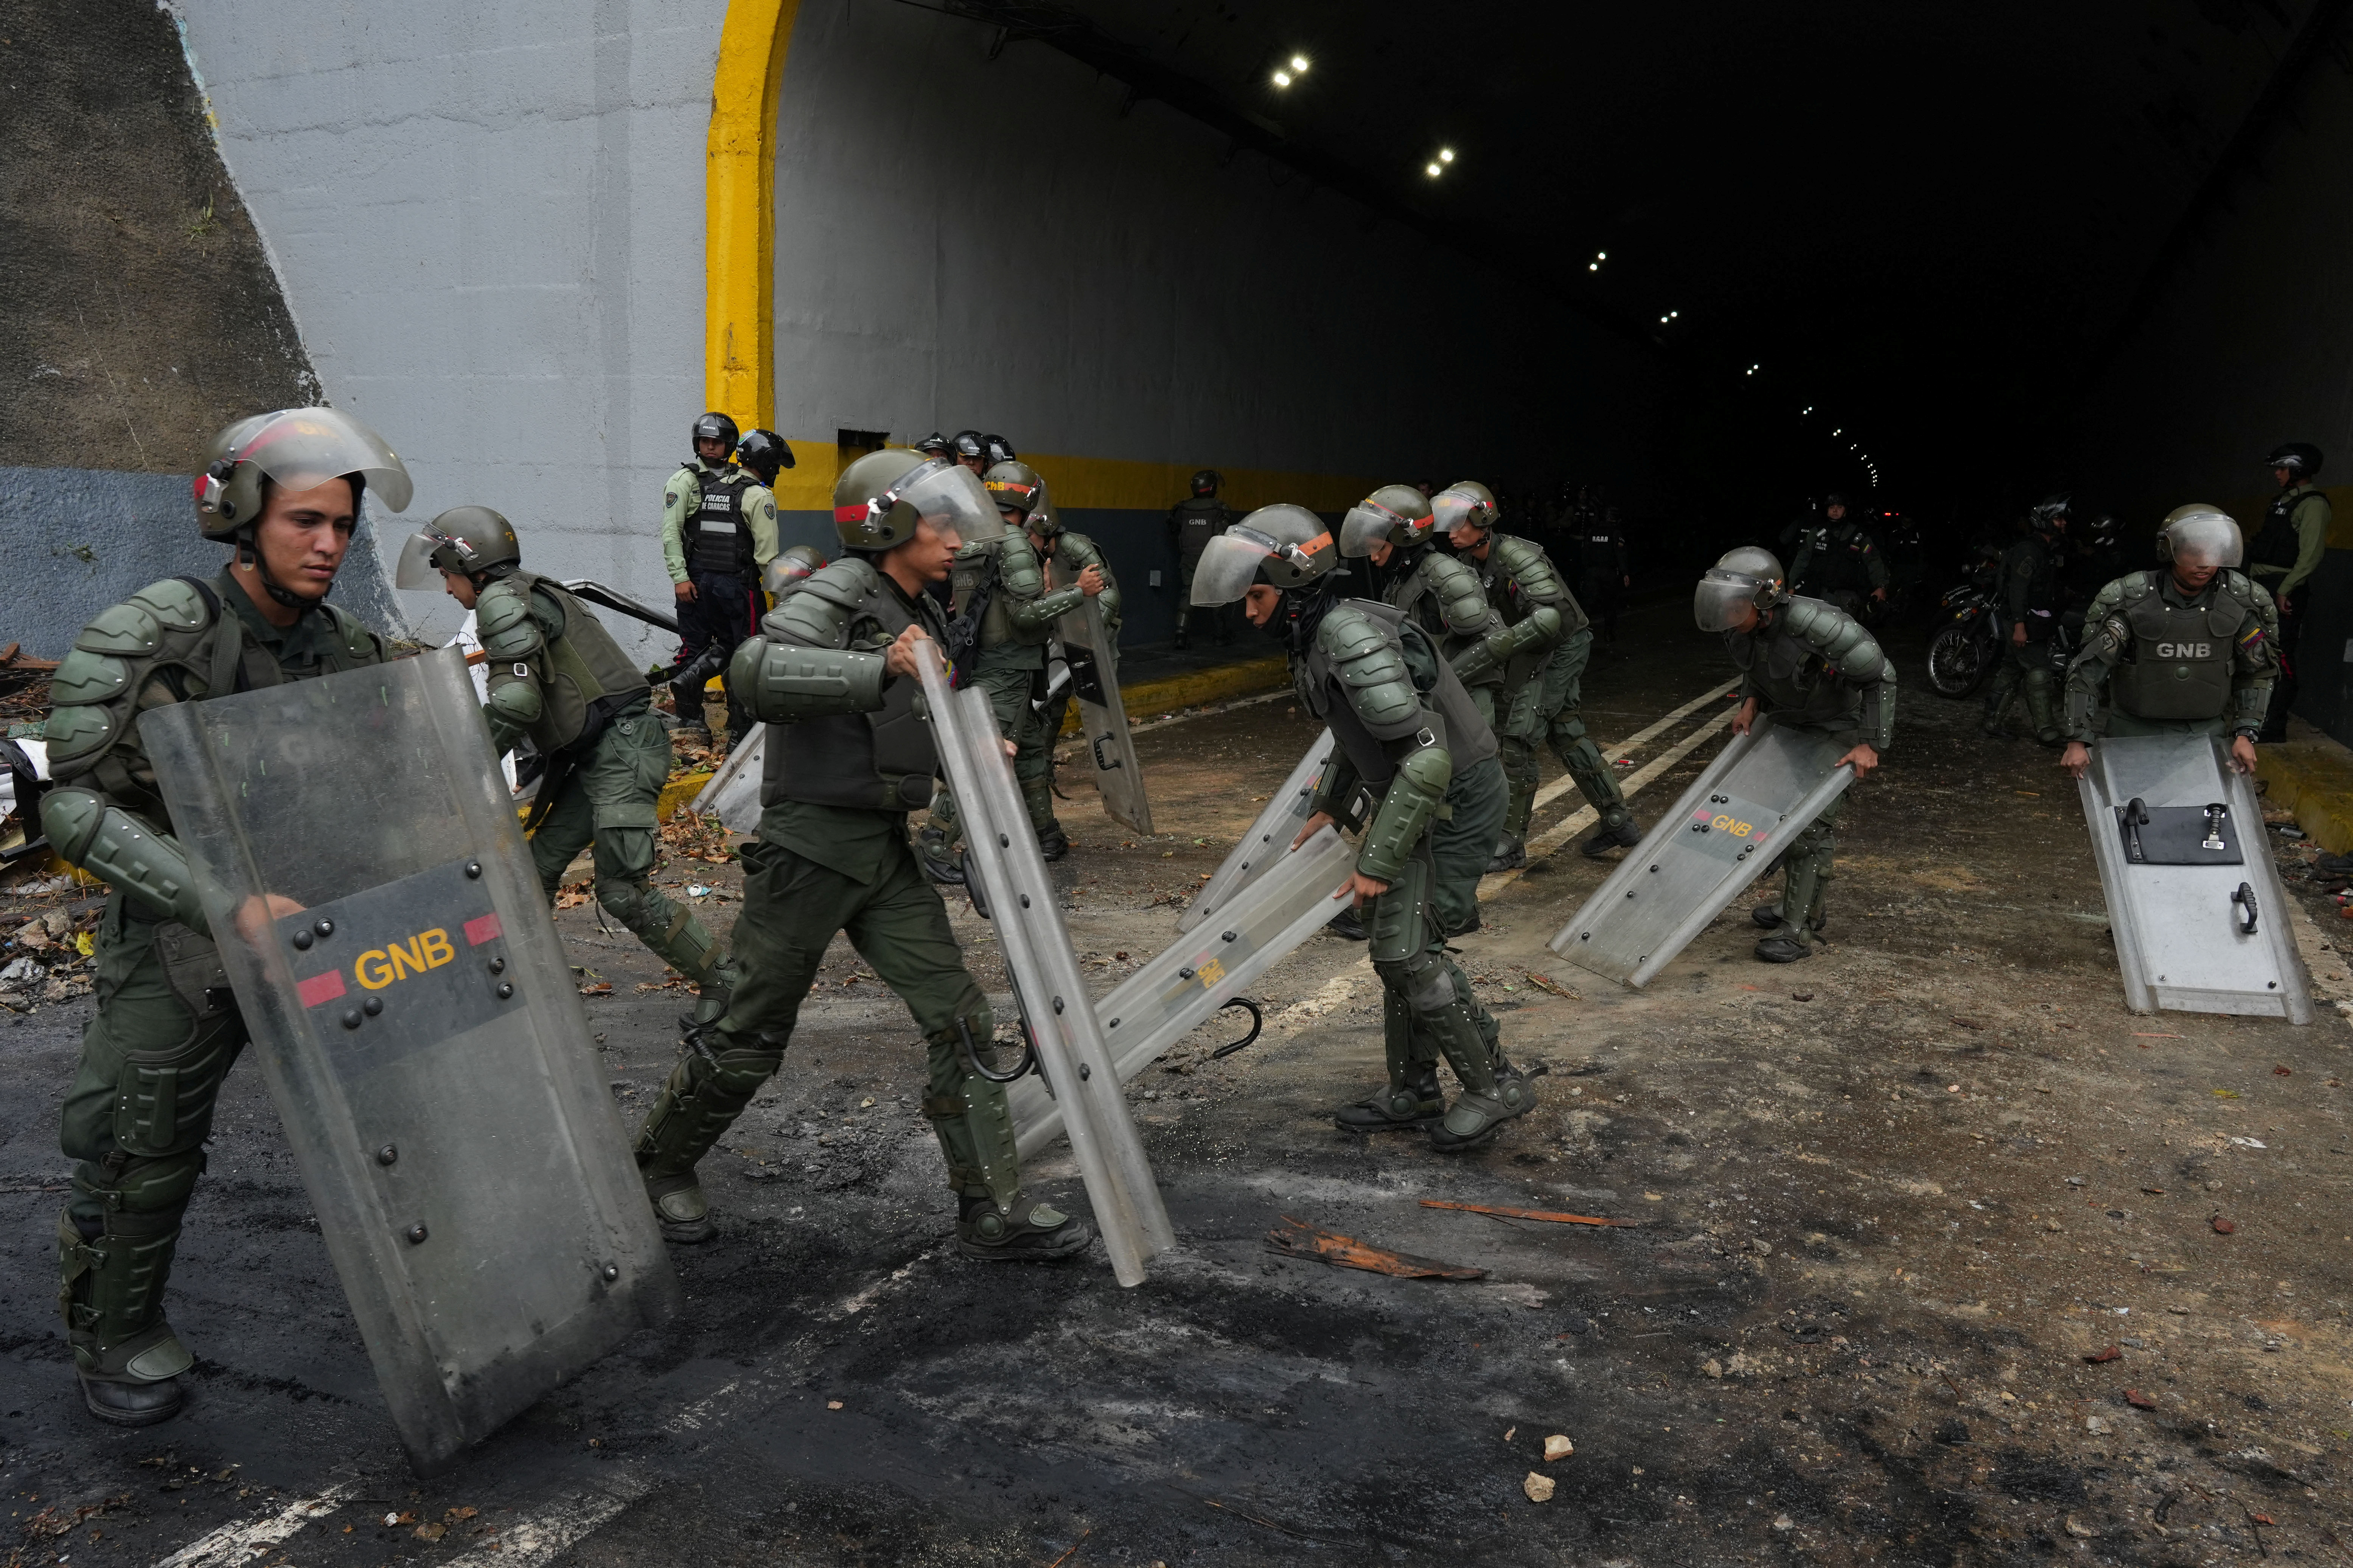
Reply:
x=78 y=540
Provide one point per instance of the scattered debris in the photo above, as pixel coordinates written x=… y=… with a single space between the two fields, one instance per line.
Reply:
x=1801 y=995
x=833 y=1404
x=2282 y=1072
x=2138 y=1401
x=1312 y=1245
x=1510 y=1213
x=1547 y=983
x=2222 y=1226
x=1558 y=1447
x=601 y=988
x=1537 y=1487
x=1968 y=1023
x=2110 y=1352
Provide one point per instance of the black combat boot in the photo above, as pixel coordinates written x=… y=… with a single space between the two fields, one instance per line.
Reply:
x=1624 y=836
x=1028 y=1232
x=1412 y=1106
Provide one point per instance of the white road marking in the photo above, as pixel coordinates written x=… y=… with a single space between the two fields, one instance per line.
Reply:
x=1554 y=837
x=538 y=1539
x=1211 y=711
x=232 y=1544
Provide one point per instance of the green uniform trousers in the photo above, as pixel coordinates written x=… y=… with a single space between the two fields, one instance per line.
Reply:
x=1543 y=709
x=2026 y=665
x=1807 y=866
x=1427 y=1008
x=134 y=1122
x=1011 y=690
x=792 y=907
x=610 y=798
x=1461 y=845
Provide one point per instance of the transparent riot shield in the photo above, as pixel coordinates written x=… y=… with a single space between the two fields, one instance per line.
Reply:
x=1761 y=790
x=2199 y=917
x=361 y=868
x=1166 y=999
x=1001 y=852
x=1268 y=841
x=733 y=793
x=1088 y=648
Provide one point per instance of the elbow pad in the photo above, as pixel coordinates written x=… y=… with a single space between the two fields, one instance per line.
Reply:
x=1337 y=794
x=781 y=683
x=1407 y=807
x=1035 y=614
x=1879 y=711
x=515 y=703
x=110 y=843
x=2250 y=704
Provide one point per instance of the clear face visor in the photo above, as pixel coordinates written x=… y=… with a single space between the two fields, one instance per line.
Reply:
x=1367 y=524
x=1452 y=508
x=950 y=497
x=1725 y=600
x=1229 y=565
x=2206 y=542
x=303 y=449
x=782 y=573
x=414 y=569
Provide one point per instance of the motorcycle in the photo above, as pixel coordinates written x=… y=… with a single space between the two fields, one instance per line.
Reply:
x=1965 y=651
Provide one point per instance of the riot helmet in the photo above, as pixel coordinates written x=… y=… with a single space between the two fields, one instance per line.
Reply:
x=2300 y=458
x=1465 y=502
x=1398 y=514
x=2047 y=512
x=934 y=445
x=296 y=449
x=472 y=540
x=1284 y=546
x=1207 y=480
x=1748 y=575
x=997 y=449
x=882 y=497
x=712 y=426
x=1014 y=487
x=2101 y=530
x=2200 y=534
x=968 y=443
x=791 y=566
x=764 y=452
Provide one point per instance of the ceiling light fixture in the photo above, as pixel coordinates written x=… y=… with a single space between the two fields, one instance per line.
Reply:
x=1432 y=171
x=1446 y=154
x=1299 y=65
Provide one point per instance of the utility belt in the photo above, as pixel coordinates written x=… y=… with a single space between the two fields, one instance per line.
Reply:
x=605 y=710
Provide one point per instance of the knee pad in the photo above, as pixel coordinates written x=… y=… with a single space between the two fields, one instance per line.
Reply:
x=1421 y=981
x=159 y=1186
x=627 y=902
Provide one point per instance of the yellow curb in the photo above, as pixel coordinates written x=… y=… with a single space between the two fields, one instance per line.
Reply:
x=679 y=794
x=1149 y=699
x=2315 y=780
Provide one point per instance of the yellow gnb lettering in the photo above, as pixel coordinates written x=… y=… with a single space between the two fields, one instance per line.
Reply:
x=1732 y=826
x=1211 y=972
x=380 y=966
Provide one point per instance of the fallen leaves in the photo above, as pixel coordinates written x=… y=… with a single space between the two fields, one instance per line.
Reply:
x=2222 y=1226
x=1508 y=1212
x=601 y=988
x=2138 y=1401
x=2108 y=1353
x=1312 y=1245
x=2282 y=1072
x=1547 y=984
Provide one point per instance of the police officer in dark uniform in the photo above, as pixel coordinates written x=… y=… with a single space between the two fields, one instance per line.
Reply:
x=2030 y=601
x=1838 y=561
x=719 y=528
x=1602 y=575
x=970 y=449
x=2286 y=551
x=1192 y=523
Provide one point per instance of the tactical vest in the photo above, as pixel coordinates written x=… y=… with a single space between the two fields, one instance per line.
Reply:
x=589 y=680
x=722 y=542
x=1198 y=521
x=1791 y=672
x=2276 y=542
x=178 y=625
x=883 y=761
x=1468 y=739
x=1596 y=550
x=1838 y=561
x=975 y=577
x=2178 y=665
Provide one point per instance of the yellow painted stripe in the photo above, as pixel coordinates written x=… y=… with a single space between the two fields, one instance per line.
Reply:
x=739 y=350
x=1110 y=483
x=2249 y=514
x=1151 y=698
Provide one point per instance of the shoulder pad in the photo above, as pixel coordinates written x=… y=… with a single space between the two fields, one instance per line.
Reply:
x=76 y=731
x=1812 y=620
x=125 y=629
x=1082 y=546
x=1530 y=567
x=1016 y=565
x=360 y=643
x=847 y=582
x=178 y=605
x=1370 y=662
x=503 y=620
x=86 y=677
x=2137 y=584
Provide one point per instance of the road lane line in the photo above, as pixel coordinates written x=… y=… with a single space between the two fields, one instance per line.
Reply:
x=232 y=1544
x=528 y=1543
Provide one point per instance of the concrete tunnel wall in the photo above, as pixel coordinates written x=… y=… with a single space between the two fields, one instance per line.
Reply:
x=2250 y=345
x=490 y=228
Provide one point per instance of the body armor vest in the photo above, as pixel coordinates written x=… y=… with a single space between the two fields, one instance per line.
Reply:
x=2180 y=663
x=722 y=542
x=1466 y=736
x=883 y=761
x=589 y=683
x=1198 y=521
x=2276 y=543
x=1596 y=550
x=1838 y=559
x=1792 y=674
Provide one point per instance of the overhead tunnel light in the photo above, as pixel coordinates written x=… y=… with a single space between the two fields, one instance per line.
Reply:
x=1437 y=165
x=1750 y=371
x=1598 y=258
x=1285 y=75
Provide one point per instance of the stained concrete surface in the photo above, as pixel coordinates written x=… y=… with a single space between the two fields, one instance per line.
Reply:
x=1888 y=1202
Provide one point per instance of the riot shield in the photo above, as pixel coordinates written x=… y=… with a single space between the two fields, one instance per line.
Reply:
x=1110 y=750
x=1166 y=999
x=1268 y=841
x=1001 y=853
x=362 y=871
x=2199 y=917
x=1761 y=791
x=733 y=793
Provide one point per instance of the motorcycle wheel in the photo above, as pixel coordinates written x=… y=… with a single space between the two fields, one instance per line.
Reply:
x=1957 y=664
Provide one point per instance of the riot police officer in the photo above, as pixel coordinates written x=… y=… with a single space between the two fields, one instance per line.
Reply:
x=1839 y=560
x=1812 y=666
x=557 y=676
x=2286 y=551
x=719 y=530
x=1603 y=574
x=2030 y=601
x=2183 y=650
x=848 y=759
x=283 y=490
x=1066 y=556
x=1005 y=615
x=970 y=449
x=1192 y=523
x=1541 y=643
x=1408 y=730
